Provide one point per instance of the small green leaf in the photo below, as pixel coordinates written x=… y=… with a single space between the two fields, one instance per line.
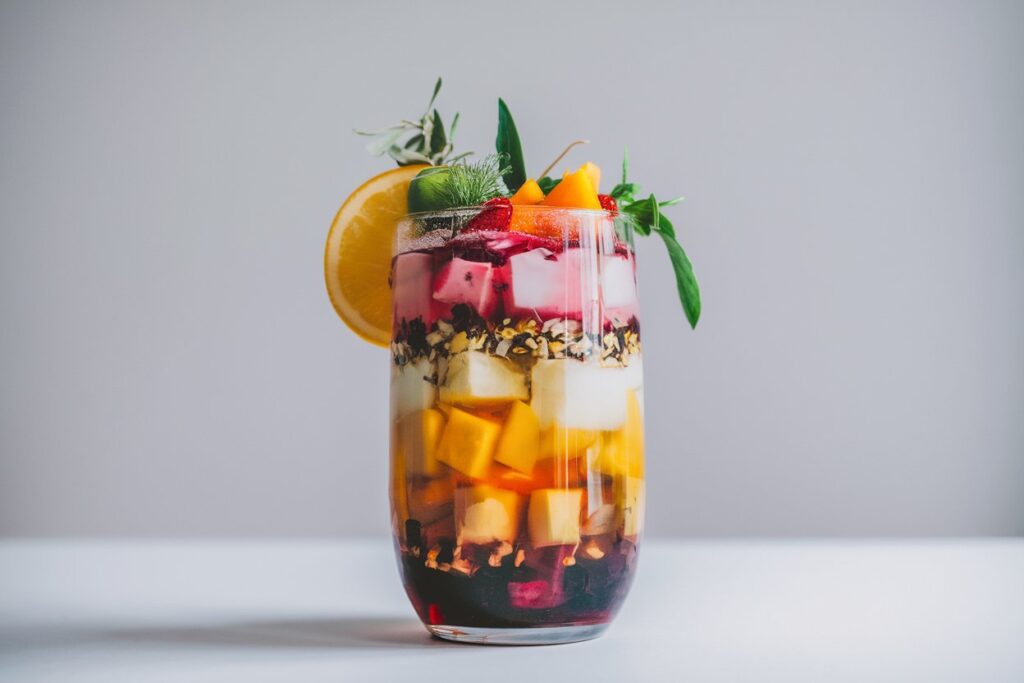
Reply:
x=686 y=283
x=415 y=142
x=652 y=203
x=640 y=213
x=437 y=137
x=451 y=128
x=665 y=225
x=625 y=192
x=670 y=202
x=625 y=165
x=547 y=183
x=508 y=145
x=437 y=89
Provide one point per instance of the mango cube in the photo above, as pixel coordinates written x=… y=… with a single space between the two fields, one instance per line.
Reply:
x=467 y=443
x=593 y=172
x=554 y=517
x=520 y=439
x=528 y=193
x=418 y=436
x=559 y=441
x=622 y=451
x=485 y=514
x=575 y=191
x=473 y=378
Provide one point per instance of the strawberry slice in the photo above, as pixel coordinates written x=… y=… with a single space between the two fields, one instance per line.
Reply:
x=496 y=215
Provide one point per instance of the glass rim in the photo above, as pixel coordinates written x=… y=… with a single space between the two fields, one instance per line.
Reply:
x=529 y=208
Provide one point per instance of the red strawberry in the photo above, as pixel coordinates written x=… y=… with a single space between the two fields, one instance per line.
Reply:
x=496 y=215
x=608 y=203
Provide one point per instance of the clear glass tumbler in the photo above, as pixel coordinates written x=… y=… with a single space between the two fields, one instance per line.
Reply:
x=517 y=475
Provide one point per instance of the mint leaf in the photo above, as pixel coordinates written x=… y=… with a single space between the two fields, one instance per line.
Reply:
x=509 y=147
x=686 y=282
x=547 y=183
x=625 y=192
x=665 y=225
x=437 y=137
x=433 y=97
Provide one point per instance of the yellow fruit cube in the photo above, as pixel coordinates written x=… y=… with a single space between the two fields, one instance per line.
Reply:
x=575 y=191
x=622 y=450
x=418 y=436
x=567 y=442
x=554 y=517
x=520 y=439
x=528 y=193
x=467 y=443
x=632 y=494
x=485 y=514
x=593 y=172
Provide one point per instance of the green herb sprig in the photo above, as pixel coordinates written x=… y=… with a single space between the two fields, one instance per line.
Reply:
x=426 y=141
x=473 y=184
x=646 y=217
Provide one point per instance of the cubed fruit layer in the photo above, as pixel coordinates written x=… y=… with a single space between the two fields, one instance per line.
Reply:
x=538 y=282
x=487 y=461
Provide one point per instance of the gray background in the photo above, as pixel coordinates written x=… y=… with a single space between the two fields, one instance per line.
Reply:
x=170 y=364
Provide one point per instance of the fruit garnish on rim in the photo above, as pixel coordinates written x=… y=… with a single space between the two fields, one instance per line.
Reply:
x=508 y=300
x=431 y=178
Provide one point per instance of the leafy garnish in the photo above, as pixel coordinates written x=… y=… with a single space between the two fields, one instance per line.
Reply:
x=646 y=217
x=509 y=147
x=547 y=183
x=426 y=143
x=469 y=184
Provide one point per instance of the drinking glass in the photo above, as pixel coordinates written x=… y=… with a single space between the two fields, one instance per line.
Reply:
x=517 y=467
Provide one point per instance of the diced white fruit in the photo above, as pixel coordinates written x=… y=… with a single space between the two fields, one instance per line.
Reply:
x=412 y=388
x=543 y=282
x=467 y=282
x=566 y=284
x=485 y=514
x=410 y=287
x=475 y=378
x=618 y=282
x=581 y=395
x=554 y=517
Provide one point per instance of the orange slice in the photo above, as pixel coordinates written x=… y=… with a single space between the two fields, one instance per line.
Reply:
x=357 y=258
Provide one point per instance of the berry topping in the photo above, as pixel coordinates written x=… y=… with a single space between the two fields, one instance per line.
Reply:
x=496 y=215
x=608 y=203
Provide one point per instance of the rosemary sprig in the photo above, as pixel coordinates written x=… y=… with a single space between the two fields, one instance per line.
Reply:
x=425 y=141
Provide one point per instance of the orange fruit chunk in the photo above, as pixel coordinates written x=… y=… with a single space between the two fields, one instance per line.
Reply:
x=520 y=439
x=357 y=257
x=528 y=193
x=593 y=172
x=575 y=191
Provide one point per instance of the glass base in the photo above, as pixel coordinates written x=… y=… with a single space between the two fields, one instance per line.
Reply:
x=541 y=635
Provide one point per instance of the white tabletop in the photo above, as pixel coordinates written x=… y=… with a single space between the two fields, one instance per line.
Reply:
x=334 y=611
